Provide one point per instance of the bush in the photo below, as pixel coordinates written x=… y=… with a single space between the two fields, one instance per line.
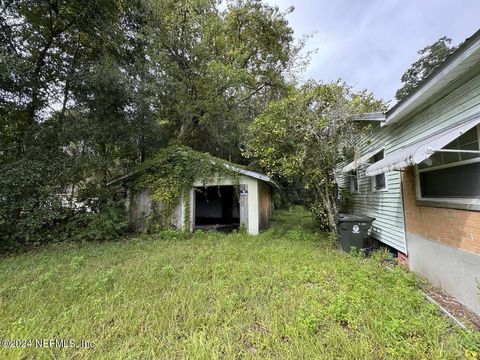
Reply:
x=35 y=210
x=29 y=205
x=109 y=223
x=319 y=213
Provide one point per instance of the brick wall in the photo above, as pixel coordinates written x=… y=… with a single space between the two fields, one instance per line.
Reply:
x=456 y=228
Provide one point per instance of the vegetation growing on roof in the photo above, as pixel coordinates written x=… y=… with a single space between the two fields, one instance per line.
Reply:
x=171 y=174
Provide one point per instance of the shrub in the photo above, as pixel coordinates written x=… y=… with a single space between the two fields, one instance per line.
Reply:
x=34 y=209
x=29 y=205
x=109 y=223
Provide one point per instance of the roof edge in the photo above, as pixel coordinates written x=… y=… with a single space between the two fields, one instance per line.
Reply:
x=391 y=114
x=371 y=116
x=235 y=168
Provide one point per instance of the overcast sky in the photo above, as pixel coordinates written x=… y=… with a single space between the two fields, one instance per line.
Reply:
x=370 y=43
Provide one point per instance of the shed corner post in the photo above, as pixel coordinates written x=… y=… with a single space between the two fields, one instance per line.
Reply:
x=192 y=209
x=243 y=193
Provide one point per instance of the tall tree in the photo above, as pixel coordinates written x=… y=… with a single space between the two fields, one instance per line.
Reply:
x=89 y=88
x=431 y=57
x=219 y=68
x=66 y=98
x=304 y=136
x=42 y=44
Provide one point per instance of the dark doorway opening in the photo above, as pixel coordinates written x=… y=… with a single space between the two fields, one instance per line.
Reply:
x=217 y=207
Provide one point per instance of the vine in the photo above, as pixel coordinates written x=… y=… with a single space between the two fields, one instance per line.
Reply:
x=172 y=173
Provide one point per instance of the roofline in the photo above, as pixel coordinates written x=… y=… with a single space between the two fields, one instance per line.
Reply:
x=356 y=163
x=405 y=157
x=125 y=176
x=236 y=168
x=371 y=116
x=252 y=174
x=464 y=50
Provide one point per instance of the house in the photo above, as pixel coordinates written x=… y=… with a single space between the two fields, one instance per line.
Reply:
x=418 y=174
x=221 y=203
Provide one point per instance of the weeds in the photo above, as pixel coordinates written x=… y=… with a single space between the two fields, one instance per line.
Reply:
x=285 y=294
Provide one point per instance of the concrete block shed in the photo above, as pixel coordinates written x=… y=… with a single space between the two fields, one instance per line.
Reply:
x=223 y=203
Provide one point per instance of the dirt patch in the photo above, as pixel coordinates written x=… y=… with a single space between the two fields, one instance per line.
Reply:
x=449 y=303
x=459 y=311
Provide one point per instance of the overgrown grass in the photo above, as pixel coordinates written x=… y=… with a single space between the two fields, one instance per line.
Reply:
x=286 y=294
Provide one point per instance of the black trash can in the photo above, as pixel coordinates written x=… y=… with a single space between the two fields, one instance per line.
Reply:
x=353 y=230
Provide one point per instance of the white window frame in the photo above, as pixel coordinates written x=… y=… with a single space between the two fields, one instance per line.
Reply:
x=374 y=179
x=447 y=202
x=350 y=179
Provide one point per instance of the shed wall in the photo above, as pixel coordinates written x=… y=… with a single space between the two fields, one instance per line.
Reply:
x=140 y=209
x=265 y=205
x=256 y=214
x=251 y=186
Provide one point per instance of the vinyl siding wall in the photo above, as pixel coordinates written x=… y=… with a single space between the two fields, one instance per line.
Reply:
x=385 y=206
x=458 y=103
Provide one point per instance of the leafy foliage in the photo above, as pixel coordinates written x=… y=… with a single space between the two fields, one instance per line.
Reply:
x=173 y=171
x=109 y=224
x=29 y=204
x=90 y=89
x=304 y=136
x=431 y=57
x=219 y=68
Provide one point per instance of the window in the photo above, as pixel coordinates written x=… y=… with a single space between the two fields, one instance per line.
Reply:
x=468 y=141
x=353 y=181
x=452 y=175
x=379 y=182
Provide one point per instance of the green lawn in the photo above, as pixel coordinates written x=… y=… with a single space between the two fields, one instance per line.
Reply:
x=286 y=294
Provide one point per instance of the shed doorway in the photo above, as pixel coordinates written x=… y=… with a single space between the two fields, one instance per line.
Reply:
x=217 y=208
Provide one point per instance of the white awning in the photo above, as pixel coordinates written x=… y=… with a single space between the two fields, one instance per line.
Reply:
x=360 y=161
x=420 y=150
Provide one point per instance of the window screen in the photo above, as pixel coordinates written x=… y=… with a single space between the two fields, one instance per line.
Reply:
x=379 y=182
x=461 y=181
x=467 y=141
x=353 y=182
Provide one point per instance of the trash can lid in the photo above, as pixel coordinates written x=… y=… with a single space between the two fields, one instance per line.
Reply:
x=353 y=218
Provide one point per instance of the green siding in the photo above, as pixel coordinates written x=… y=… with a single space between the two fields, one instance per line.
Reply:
x=454 y=107
x=386 y=207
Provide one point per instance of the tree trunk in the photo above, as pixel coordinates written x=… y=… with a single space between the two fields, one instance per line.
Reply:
x=333 y=200
x=331 y=209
